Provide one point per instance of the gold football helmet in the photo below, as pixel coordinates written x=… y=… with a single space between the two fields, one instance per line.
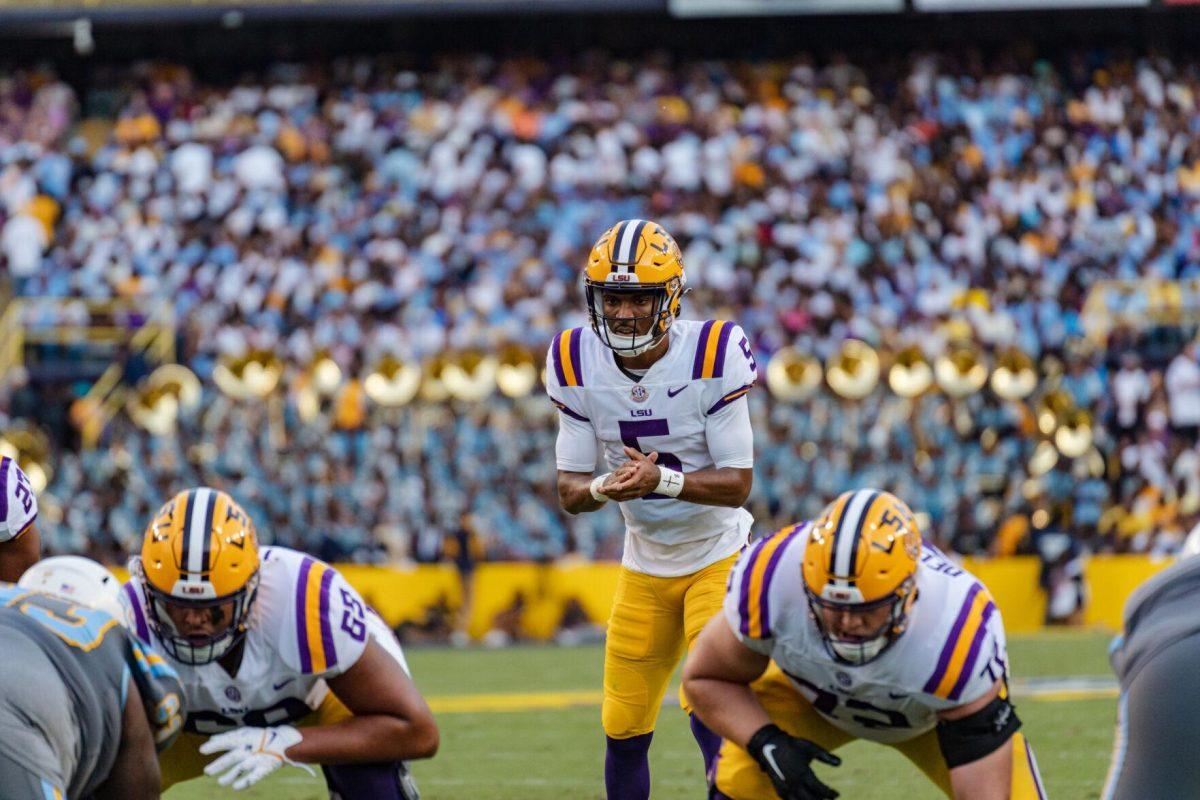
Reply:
x=861 y=556
x=200 y=553
x=634 y=256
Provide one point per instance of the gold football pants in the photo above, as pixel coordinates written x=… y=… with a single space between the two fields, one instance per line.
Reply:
x=739 y=777
x=654 y=620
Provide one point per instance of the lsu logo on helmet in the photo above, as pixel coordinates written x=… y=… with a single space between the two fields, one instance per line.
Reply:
x=862 y=555
x=636 y=256
x=199 y=552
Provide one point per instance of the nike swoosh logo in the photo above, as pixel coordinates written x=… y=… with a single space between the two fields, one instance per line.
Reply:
x=673 y=392
x=895 y=696
x=769 y=755
x=278 y=686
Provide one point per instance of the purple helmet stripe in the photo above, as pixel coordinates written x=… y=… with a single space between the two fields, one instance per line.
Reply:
x=4 y=462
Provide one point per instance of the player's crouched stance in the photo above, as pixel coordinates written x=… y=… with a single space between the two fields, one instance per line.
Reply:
x=845 y=629
x=264 y=639
x=83 y=704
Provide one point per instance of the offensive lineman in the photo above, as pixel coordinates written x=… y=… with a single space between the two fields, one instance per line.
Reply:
x=20 y=545
x=267 y=638
x=849 y=629
x=83 y=704
x=663 y=397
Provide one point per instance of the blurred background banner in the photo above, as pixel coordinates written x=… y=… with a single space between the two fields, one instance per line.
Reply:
x=713 y=8
x=1026 y=5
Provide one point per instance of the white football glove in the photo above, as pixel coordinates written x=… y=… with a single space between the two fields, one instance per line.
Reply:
x=253 y=754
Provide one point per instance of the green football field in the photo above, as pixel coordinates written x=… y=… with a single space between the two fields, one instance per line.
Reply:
x=525 y=723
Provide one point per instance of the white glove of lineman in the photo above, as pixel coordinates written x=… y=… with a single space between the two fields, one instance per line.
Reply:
x=253 y=754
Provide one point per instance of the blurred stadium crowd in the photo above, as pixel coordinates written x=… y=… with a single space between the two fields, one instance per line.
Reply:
x=364 y=209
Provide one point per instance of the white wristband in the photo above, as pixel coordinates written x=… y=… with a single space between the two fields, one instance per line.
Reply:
x=670 y=483
x=597 y=482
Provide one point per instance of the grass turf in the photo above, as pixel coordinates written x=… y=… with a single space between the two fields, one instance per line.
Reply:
x=545 y=753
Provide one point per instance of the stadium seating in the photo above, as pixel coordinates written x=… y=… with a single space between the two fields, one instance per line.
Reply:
x=363 y=212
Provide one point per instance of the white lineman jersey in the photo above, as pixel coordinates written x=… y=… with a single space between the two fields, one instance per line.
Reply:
x=708 y=367
x=306 y=625
x=951 y=654
x=18 y=505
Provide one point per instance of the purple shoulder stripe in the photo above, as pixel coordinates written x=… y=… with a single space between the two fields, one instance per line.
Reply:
x=139 y=618
x=556 y=359
x=948 y=648
x=306 y=665
x=748 y=558
x=576 y=360
x=4 y=462
x=722 y=345
x=973 y=654
x=764 y=621
x=701 y=346
x=326 y=630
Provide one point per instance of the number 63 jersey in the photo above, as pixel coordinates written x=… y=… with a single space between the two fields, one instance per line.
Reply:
x=951 y=654
x=306 y=625
x=680 y=408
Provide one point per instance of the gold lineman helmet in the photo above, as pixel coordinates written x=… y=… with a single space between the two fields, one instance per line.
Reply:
x=635 y=255
x=200 y=552
x=862 y=554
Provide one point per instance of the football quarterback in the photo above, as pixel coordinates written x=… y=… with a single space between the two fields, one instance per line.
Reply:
x=84 y=704
x=849 y=628
x=662 y=399
x=279 y=657
x=20 y=545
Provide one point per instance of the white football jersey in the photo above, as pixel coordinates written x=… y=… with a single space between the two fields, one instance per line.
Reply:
x=306 y=625
x=951 y=654
x=707 y=367
x=18 y=505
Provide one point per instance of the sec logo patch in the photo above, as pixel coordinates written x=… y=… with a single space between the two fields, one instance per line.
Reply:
x=639 y=394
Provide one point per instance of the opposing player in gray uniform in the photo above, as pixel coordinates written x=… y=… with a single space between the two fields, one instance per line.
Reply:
x=83 y=704
x=1154 y=755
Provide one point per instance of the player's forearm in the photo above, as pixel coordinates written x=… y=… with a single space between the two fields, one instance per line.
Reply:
x=135 y=774
x=719 y=486
x=575 y=493
x=729 y=709
x=989 y=778
x=374 y=737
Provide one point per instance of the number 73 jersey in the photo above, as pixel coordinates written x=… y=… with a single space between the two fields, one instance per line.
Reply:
x=951 y=654
x=675 y=409
x=306 y=625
